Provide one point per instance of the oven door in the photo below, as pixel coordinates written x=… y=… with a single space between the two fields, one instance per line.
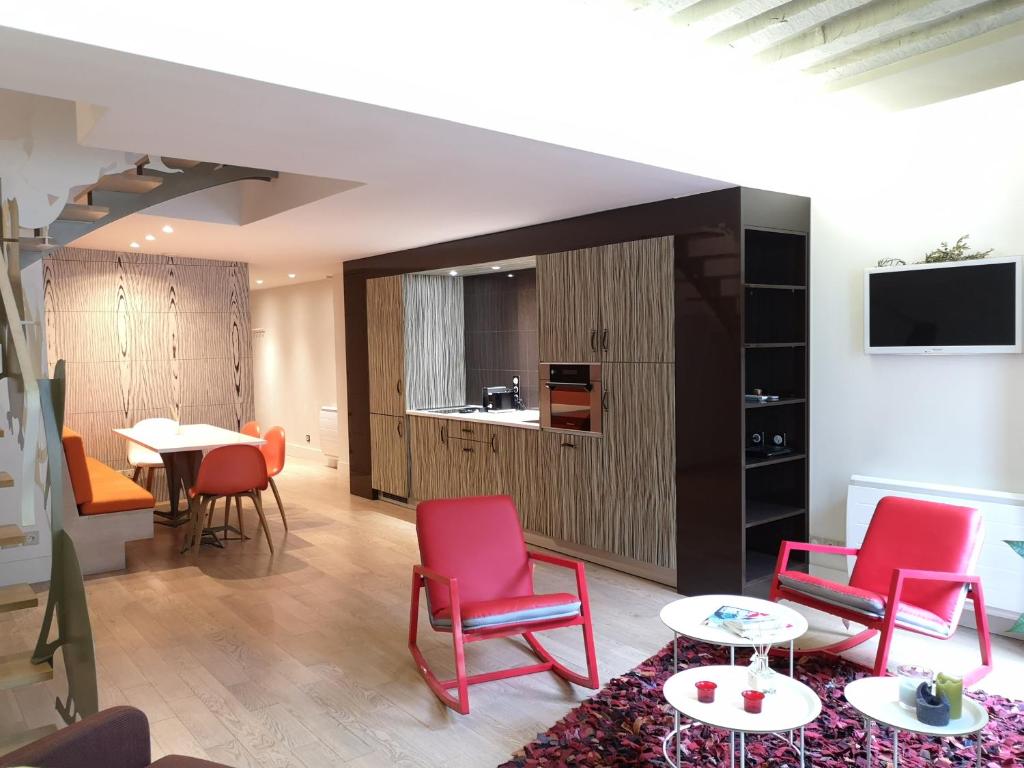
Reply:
x=572 y=407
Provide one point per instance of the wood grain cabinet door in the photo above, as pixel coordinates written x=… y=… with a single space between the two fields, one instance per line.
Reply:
x=469 y=467
x=572 y=505
x=430 y=458
x=385 y=332
x=568 y=300
x=639 y=476
x=512 y=469
x=389 y=454
x=637 y=305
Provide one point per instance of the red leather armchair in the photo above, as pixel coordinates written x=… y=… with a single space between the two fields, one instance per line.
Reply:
x=913 y=572
x=478 y=578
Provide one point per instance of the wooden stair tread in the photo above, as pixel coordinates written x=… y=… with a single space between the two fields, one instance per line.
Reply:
x=130 y=181
x=6 y=481
x=17 y=670
x=13 y=741
x=16 y=597
x=81 y=212
x=11 y=536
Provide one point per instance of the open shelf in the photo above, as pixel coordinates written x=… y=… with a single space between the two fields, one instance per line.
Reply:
x=751 y=464
x=762 y=512
x=776 y=345
x=770 y=403
x=775 y=287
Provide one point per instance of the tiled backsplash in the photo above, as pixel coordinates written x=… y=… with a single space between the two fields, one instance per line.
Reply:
x=501 y=333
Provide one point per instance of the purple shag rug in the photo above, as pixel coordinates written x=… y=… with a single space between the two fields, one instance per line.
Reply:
x=623 y=725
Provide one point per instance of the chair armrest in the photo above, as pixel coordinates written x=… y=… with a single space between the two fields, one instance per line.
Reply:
x=573 y=565
x=114 y=738
x=561 y=562
x=427 y=573
x=800 y=546
x=912 y=574
x=453 y=594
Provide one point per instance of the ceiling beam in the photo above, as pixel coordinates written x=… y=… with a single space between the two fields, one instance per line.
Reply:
x=711 y=17
x=783 y=23
x=975 y=21
x=877 y=22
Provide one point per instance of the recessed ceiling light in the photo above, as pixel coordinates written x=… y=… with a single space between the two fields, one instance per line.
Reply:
x=291 y=275
x=167 y=229
x=259 y=282
x=453 y=273
x=496 y=268
x=510 y=274
x=150 y=237
x=133 y=244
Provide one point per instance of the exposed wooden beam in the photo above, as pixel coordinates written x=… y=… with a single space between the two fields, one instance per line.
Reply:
x=870 y=25
x=782 y=23
x=976 y=21
x=711 y=17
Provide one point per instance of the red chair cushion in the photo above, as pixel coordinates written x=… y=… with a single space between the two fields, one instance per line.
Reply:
x=926 y=535
x=511 y=610
x=870 y=604
x=478 y=541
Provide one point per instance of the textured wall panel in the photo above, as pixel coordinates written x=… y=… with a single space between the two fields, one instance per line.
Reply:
x=385 y=334
x=148 y=336
x=435 y=347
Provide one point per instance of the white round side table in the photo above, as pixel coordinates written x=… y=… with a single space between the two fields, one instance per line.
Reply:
x=793 y=705
x=877 y=699
x=687 y=615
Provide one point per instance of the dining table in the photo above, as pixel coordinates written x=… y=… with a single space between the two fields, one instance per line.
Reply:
x=181 y=450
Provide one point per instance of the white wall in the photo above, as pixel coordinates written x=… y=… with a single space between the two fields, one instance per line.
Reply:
x=920 y=178
x=294 y=360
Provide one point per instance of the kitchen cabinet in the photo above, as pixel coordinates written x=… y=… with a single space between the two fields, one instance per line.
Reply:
x=571 y=471
x=472 y=465
x=638 y=491
x=430 y=459
x=390 y=451
x=512 y=469
x=568 y=296
x=385 y=331
x=612 y=303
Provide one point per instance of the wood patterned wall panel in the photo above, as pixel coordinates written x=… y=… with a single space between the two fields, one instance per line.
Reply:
x=385 y=333
x=568 y=298
x=637 y=301
x=389 y=445
x=148 y=336
x=435 y=346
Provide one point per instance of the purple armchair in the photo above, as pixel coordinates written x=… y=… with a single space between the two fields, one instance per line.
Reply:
x=114 y=738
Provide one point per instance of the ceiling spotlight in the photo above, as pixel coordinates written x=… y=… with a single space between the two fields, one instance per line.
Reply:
x=510 y=274
x=150 y=237
x=133 y=244
x=291 y=275
x=259 y=282
x=496 y=268
x=167 y=229
x=453 y=273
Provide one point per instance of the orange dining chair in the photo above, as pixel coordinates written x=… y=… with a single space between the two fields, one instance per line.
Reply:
x=273 y=452
x=251 y=428
x=232 y=471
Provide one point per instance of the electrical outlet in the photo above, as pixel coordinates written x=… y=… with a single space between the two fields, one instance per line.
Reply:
x=31 y=538
x=307 y=438
x=827 y=542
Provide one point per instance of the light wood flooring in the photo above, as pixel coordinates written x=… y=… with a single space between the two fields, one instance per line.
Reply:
x=299 y=659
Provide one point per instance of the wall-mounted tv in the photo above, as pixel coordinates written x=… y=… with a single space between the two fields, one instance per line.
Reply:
x=956 y=308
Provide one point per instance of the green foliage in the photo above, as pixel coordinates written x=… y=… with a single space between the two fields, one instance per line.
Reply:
x=892 y=262
x=959 y=251
x=1018 y=547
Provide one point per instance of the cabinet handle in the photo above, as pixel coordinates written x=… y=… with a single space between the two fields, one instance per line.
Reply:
x=467 y=450
x=467 y=430
x=444 y=437
x=494 y=447
x=604 y=340
x=604 y=401
x=593 y=340
x=568 y=445
x=398 y=386
x=398 y=426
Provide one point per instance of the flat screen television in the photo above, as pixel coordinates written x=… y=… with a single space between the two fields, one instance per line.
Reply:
x=956 y=308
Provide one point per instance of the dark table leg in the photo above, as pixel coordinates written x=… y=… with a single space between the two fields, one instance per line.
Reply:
x=186 y=469
x=175 y=517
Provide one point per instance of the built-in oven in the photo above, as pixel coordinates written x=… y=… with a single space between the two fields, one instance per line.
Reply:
x=570 y=397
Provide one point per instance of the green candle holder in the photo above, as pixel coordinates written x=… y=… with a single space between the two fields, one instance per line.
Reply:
x=952 y=688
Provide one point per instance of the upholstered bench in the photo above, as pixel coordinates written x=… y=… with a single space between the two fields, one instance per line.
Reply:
x=112 y=509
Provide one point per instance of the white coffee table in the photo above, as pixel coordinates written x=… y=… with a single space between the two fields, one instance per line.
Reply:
x=877 y=699
x=792 y=706
x=686 y=617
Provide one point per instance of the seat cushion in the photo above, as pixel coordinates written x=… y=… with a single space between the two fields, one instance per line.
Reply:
x=74 y=455
x=863 y=601
x=511 y=610
x=112 y=491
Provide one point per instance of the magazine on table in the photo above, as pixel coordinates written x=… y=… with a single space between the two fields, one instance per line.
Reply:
x=745 y=623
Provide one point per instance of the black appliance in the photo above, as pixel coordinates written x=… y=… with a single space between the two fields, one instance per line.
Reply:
x=570 y=397
x=498 y=399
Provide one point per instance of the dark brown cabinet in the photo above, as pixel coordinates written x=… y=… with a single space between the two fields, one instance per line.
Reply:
x=389 y=447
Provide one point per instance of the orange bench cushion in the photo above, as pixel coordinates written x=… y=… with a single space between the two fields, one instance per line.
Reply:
x=98 y=488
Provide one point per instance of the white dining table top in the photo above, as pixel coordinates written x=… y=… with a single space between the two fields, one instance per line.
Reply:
x=188 y=437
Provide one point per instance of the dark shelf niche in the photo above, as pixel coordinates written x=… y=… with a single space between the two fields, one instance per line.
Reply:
x=775 y=287
x=776 y=345
x=763 y=512
x=771 y=403
x=775 y=460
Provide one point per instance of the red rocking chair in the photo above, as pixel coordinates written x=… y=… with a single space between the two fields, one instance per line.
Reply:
x=479 y=581
x=913 y=572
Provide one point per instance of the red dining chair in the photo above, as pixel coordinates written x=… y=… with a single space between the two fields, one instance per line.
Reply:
x=273 y=452
x=913 y=572
x=479 y=581
x=232 y=471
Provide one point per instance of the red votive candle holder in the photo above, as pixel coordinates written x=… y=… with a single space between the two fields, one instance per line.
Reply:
x=706 y=691
x=752 y=701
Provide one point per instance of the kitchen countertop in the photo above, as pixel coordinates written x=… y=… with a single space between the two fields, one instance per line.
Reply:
x=519 y=419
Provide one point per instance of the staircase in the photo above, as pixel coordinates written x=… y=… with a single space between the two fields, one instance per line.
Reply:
x=117 y=195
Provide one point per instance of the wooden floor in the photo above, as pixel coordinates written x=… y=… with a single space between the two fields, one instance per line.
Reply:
x=299 y=659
